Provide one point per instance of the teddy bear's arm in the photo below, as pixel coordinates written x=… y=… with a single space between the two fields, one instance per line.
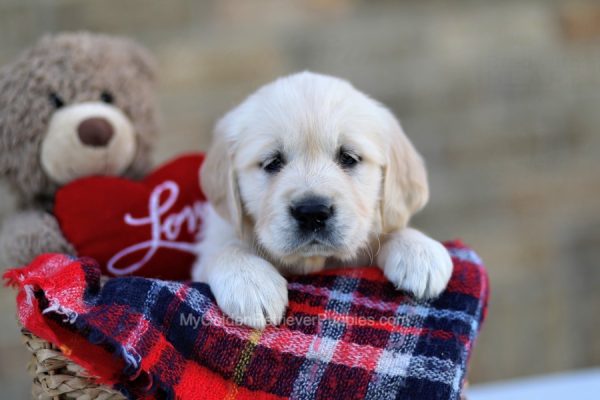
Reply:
x=28 y=234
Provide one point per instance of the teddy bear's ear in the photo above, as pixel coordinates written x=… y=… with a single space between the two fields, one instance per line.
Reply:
x=142 y=60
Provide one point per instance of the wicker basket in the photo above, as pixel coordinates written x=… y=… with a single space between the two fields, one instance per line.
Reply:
x=57 y=377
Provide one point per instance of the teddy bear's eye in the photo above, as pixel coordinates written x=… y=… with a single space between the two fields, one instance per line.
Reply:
x=56 y=100
x=107 y=97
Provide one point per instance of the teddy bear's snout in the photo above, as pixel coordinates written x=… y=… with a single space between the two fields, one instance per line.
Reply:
x=97 y=138
x=95 y=132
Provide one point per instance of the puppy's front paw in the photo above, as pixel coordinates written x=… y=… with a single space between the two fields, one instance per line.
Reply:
x=416 y=263
x=249 y=290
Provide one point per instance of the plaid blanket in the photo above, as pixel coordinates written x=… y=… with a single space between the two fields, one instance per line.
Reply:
x=347 y=334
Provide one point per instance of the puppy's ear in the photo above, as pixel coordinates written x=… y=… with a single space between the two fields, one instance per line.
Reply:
x=405 y=188
x=219 y=181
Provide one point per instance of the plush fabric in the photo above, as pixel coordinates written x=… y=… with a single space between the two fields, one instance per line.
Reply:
x=27 y=234
x=348 y=334
x=136 y=228
x=77 y=67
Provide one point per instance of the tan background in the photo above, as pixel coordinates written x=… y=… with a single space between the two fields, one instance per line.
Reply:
x=501 y=97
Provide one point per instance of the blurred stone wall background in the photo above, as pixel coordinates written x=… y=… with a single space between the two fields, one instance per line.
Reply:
x=501 y=97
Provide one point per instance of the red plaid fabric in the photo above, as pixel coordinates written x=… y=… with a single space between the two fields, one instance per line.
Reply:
x=348 y=334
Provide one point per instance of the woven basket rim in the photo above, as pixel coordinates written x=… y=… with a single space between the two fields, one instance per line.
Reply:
x=55 y=376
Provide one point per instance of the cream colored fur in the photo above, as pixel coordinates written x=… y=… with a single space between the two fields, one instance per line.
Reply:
x=250 y=239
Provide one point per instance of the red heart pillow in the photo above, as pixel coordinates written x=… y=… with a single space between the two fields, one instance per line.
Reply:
x=145 y=228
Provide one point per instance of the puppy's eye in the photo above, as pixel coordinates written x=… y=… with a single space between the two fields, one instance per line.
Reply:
x=273 y=164
x=56 y=100
x=347 y=159
x=107 y=97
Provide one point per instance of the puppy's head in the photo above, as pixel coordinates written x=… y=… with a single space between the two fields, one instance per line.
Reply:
x=309 y=167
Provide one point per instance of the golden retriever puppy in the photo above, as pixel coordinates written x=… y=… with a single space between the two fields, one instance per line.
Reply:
x=307 y=173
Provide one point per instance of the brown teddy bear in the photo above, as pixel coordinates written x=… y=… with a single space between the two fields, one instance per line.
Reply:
x=74 y=105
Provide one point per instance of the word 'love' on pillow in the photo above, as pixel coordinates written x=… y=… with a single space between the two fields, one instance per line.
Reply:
x=136 y=228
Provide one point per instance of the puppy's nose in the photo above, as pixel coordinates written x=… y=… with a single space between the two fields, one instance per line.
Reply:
x=95 y=132
x=312 y=213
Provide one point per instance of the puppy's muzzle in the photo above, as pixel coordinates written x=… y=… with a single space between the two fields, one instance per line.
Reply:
x=312 y=213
